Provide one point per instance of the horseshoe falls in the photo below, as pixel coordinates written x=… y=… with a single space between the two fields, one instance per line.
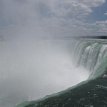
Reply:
x=90 y=54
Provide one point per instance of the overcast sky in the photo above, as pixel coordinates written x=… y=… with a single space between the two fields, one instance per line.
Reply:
x=31 y=68
x=54 y=17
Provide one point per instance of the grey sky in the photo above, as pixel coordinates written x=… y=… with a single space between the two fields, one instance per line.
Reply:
x=56 y=17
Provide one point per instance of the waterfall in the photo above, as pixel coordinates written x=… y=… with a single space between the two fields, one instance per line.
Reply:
x=92 y=55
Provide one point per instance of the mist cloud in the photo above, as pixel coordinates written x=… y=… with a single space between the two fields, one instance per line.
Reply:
x=31 y=69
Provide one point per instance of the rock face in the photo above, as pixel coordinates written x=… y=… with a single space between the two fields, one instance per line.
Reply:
x=91 y=54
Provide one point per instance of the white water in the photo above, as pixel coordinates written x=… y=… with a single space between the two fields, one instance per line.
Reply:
x=34 y=68
x=92 y=55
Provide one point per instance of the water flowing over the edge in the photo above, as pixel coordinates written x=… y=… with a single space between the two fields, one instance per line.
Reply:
x=90 y=54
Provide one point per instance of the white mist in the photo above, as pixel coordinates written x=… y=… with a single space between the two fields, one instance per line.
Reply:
x=31 y=69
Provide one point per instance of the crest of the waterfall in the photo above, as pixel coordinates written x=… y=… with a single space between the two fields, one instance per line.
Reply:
x=92 y=55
